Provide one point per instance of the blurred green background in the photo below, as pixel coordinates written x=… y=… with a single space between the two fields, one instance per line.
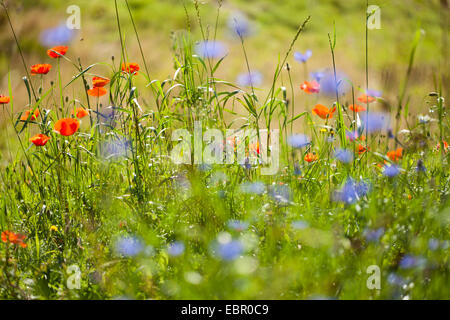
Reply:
x=274 y=24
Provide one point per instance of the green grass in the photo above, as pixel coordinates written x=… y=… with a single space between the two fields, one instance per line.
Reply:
x=74 y=202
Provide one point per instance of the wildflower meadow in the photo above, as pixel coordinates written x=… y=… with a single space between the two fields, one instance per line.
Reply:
x=298 y=177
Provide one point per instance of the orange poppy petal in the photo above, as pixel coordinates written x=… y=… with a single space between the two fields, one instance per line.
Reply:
x=67 y=126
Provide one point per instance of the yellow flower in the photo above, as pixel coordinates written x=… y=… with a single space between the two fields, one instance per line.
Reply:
x=54 y=228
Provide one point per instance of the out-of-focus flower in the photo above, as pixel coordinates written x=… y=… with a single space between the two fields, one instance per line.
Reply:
x=80 y=113
x=420 y=166
x=4 y=99
x=299 y=225
x=328 y=85
x=40 y=69
x=26 y=115
x=373 y=235
x=56 y=36
x=355 y=135
x=131 y=68
x=230 y=250
x=211 y=49
x=356 y=108
x=298 y=141
x=310 y=87
x=366 y=99
x=323 y=112
x=39 y=140
x=311 y=157
x=99 y=82
x=317 y=75
x=352 y=191
x=375 y=121
x=239 y=25
x=67 y=126
x=395 y=155
x=252 y=79
x=343 y=155
x=433 y=244
x=424 y=119
x=374 y=93
x=54 y=229
x=57 y=52
x=361 y=149
x=97 y=92
x=438 y=146
x=410 y=261
x=303 y=57
x=175 y=249
x=281 y=193
x=253 y=187
x=129 y=246
x=391 y=170
x=238 y=225
x=14 y=238
x=115 y=148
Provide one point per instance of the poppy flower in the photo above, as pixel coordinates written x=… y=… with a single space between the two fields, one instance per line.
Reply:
x=310 y=87
x=67 y=126
x=57 y=52
x=361 y=149
x=357 y=108
x=4 y=99
x=99 y=82
x=27 y=113
x=40 y=69
x=438 y=147
x=323 y=111
x=310 y=157
x=131 y=68
x=395 y=155
x=39 y=140
x=366 y=99
x=97 y=92
x=14 y=238
x=80 y=113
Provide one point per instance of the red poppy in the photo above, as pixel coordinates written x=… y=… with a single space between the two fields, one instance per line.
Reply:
x=4 y=99
x=438 y=147
x=395 y=155
x=310 y=87
x=131 y=68
x=27 y=113
x=80 y=113
x=310 y=157
x=39 y=140
x=357 y=108
x=323 y=111
x=366 y=99
x=99 y=82
x=14 y=238
x=361 y=149
x=97 y=92
x=40 y=69
x=57 y=52
x=67 y=126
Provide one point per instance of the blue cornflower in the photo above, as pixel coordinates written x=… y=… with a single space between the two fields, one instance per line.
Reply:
x=420 y=166
x=56 y=36
x=374 y=235
x=252 y=79
x=351 y=191
x=281 y=193
x=238 y=225
x=115 y=149
x=410 y=261
x=374 y=93
x=375 y=121
x=317 y=75
x=391 y=170
x=328 y=84
x=211 y=49
x=298 y=141
x=230 y=250
x=253 y=187
x=239 y=25
x=343 y=155
x=433 y=244
x=303 y=57
x=175 y=249
x=129 y=246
